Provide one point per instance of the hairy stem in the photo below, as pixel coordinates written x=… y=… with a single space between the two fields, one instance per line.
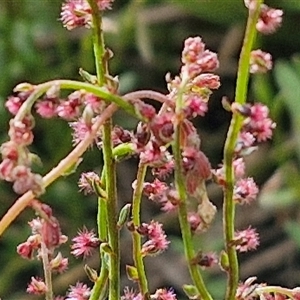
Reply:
x=101 y=61
x=233 y=132
x=47 y=272
x=183 y=220
x=136 y=206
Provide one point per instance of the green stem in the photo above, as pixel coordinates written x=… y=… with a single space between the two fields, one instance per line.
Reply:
x=184 y=225
x=100 y=92
x=136 y=206
x=109 y=162
x=98 y=291
x=233 y=132
x=183 y=220
x=113 y=231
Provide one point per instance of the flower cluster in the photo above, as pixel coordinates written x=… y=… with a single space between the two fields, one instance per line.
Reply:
x=156 y=239
x=84 y=243
x=160 y=294
x=77 y=13
x=45 y=238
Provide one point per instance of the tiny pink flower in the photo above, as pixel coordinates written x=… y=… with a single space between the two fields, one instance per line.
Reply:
x=25 y=250
x=104 y=4
x=154 y=155
x=194 y=220
x=10 y=151
x=164 y=294
x=207 y=260
x=58 y=264
x=207 y=80
x=13 y=104
x=246 y=290
x=165 y=169
x=162 y=128
x=6 y=170
x=245 y=191
x=260 y=62
x=195 y=105
x=79 y=292
x=130 y=294
x=155 y=190
x=270 y=19
x=75 y=13
x=37 y=286
x=47 y=108
x=157 y=240
x=245 y=141
x=258 y=123
x=80 y=130
x=246 y=240
x=70 y=108
x=20 y=131
x=86 y=180
x=193 y=48
x=84 y=243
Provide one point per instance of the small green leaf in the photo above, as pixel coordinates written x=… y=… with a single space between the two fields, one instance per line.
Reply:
x=132 y=273
x=191 y=291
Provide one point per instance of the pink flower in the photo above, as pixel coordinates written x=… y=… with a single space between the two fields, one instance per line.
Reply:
x=157 y=240
x=195 y=105
x=196 y=60
x=155 y=190
x=79 y=292
x=86 y=181
x=37 y=286
x=104 y=4
x=270 y=19
x=193 y=48
x=194 y=220
x=47 y=108
x=80 y=129
x=258 y=123
x=70 y=108
x=21 y=131
x=130 y=294
x=260 y=62
x=75 y=13
x=164 y=294
x=154 y=155
x=246 y=240
x=84 y=243
x=246 y=290
x=206 y=260
x=162 y=128
x=59 y=264
x=25 y=180
x=245 y=191
x=207 y=80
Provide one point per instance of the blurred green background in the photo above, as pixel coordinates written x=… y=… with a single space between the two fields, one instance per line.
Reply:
x=146 y=37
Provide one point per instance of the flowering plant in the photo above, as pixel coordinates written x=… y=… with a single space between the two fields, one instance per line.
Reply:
x=166 y=144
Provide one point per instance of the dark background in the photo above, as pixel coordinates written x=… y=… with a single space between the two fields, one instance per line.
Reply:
x=146 y=38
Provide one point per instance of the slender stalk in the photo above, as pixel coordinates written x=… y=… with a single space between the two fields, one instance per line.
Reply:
x=180 y=186
x=47 y=272
x=136 y=206
x=101 y=61
x=234 y=129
